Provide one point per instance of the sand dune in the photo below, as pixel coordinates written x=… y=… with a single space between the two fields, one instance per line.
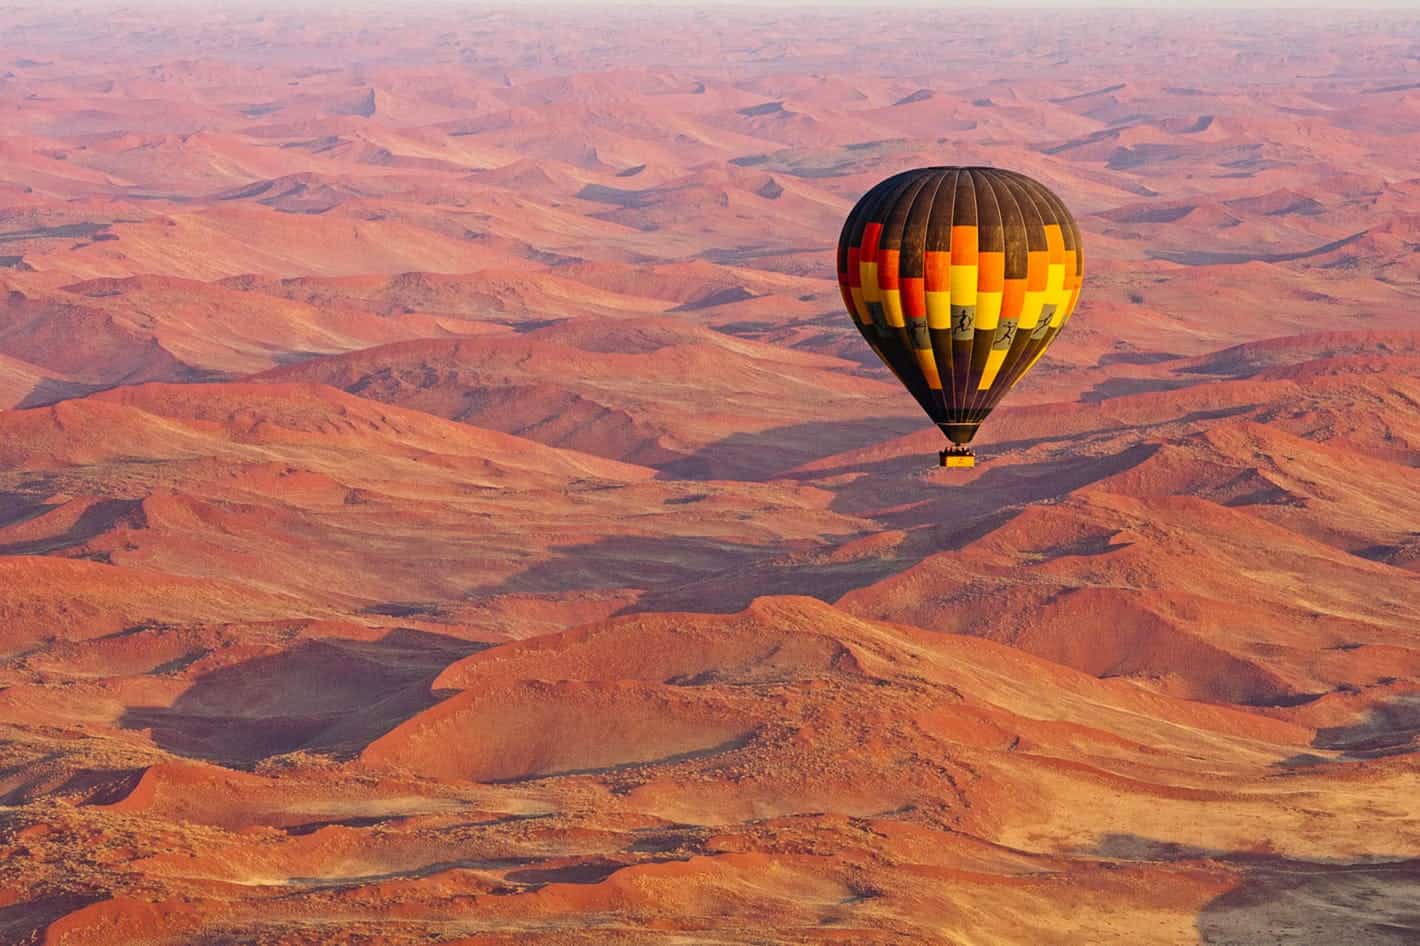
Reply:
x=652 y=391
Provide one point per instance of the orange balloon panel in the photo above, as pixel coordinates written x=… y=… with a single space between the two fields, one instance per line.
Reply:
x=960 y=278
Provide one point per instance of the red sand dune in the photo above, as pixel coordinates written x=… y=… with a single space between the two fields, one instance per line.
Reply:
x=652 y=391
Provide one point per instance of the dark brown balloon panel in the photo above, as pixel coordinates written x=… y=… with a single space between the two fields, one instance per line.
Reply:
x=960 y=278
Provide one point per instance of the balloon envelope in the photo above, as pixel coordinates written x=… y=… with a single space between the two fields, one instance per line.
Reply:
x=960 y=278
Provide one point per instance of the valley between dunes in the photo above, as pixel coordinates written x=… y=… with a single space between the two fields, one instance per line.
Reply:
x=442 y=500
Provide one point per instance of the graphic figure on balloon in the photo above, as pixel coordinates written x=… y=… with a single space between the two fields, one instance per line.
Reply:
x=960 y=279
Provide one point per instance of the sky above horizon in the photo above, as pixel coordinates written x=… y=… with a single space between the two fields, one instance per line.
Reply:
x=865 y=5
x=976 y=5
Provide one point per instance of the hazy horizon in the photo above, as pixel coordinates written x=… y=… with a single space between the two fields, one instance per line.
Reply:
x=335 y=6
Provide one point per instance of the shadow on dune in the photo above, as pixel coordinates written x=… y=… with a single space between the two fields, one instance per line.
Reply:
x=1389 y=728
x=98 y=519
x=1137 y=358
x=26 y=921
x=1279 y=901
x=51 y=391
x=642 y=562
x=1123 y=387
x=735 y=590
x=696 y=573
x=327 y=695
x=1290 y=904
x=413 y=873
x=592 y=871
x=767 y=454
x=1226 y=258
x=906 y=492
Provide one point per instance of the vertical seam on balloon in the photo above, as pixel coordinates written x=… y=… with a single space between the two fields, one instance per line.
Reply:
x=971 y=394
x=951 y=361
x=998 y=188
x=890 y=193
x=940 y=392
x=935 y=181
x=1000 y=185
x=1002 y=383
x=959 y=403
x=1032 y=353
x=854 y=222
x=907 y=194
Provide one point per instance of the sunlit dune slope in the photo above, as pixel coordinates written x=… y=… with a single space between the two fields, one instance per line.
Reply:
x=344 y=502
x=659 y=392
x=717 y=813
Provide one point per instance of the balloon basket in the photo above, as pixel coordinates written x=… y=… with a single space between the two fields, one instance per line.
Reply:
x=961 y=457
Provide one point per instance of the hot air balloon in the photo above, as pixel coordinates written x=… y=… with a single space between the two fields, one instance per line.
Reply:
x=959 y=279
